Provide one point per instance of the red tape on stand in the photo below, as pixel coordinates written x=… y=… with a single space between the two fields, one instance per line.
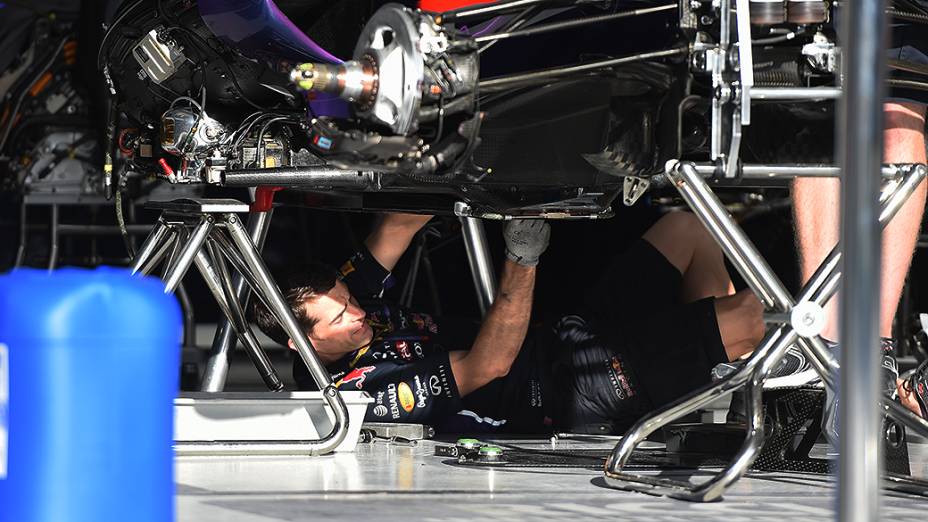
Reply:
x=264 y=198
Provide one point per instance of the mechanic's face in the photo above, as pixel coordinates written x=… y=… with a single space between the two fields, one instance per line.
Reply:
x=340 y=327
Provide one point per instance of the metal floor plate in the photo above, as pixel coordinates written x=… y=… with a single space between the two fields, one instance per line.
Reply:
x=387 y=482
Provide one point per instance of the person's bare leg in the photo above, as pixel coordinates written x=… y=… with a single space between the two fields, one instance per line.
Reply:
x=816 y=203
x=683 y=241
x=904 y=142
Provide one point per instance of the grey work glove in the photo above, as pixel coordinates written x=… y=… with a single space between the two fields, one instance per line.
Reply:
x=526 y=240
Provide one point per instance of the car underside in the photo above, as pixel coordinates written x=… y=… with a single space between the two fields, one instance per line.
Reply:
x=533 y=109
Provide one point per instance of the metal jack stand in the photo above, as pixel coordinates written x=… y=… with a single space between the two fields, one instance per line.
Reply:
x=800 y=323
x=208 y=233
x=217 y=366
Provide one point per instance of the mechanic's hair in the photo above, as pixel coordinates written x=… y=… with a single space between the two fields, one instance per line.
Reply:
x=297 y=287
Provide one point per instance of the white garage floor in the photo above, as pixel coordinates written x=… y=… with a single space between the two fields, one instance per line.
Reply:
x=385 y=482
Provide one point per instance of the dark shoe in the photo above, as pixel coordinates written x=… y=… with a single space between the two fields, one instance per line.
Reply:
x=792 y=370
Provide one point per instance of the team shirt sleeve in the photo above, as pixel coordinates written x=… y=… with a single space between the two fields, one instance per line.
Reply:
x=364 y=276
x=420 y=392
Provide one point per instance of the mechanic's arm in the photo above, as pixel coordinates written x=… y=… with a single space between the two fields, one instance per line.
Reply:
x=392 y=235
x=504 y=328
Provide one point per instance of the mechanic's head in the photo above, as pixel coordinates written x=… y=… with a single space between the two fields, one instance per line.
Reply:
x=324 y=308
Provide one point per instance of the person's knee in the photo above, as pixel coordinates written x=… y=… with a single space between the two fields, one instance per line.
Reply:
x=681 y=221
x=904 y=115
x=679 y=225
x=686 y=233
x=690 y=228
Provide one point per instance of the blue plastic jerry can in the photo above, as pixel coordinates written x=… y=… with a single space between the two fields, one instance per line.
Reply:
x=88 y=372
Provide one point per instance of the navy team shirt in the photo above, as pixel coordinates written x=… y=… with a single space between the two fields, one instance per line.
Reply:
x=406 y=367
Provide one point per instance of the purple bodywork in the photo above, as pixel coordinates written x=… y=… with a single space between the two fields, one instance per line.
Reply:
x=259 y=27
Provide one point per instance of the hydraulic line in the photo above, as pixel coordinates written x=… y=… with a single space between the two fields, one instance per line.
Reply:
x=120 y=217
x=908 y=84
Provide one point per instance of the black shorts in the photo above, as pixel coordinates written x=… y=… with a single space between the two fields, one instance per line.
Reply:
x=635 y=348
x=909 y=46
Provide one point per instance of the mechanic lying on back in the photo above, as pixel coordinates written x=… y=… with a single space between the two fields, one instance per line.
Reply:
x=655 y=325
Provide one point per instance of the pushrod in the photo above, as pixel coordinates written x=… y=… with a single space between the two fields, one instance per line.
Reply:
x=569 y=24
x=505 y=82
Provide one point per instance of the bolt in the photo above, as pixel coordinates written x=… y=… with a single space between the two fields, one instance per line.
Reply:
x=699 y=61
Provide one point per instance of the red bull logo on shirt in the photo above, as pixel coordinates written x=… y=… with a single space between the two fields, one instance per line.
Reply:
x=357 y=376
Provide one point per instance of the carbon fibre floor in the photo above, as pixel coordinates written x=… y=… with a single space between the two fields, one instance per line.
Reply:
x=387 y=482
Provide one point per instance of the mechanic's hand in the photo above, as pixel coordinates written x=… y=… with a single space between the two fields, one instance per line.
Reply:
x=526 y=240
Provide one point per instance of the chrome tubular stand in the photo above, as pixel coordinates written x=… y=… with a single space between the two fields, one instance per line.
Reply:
x=210 y=234
x=217 y=366
x=802 y=321
x=480 y=261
